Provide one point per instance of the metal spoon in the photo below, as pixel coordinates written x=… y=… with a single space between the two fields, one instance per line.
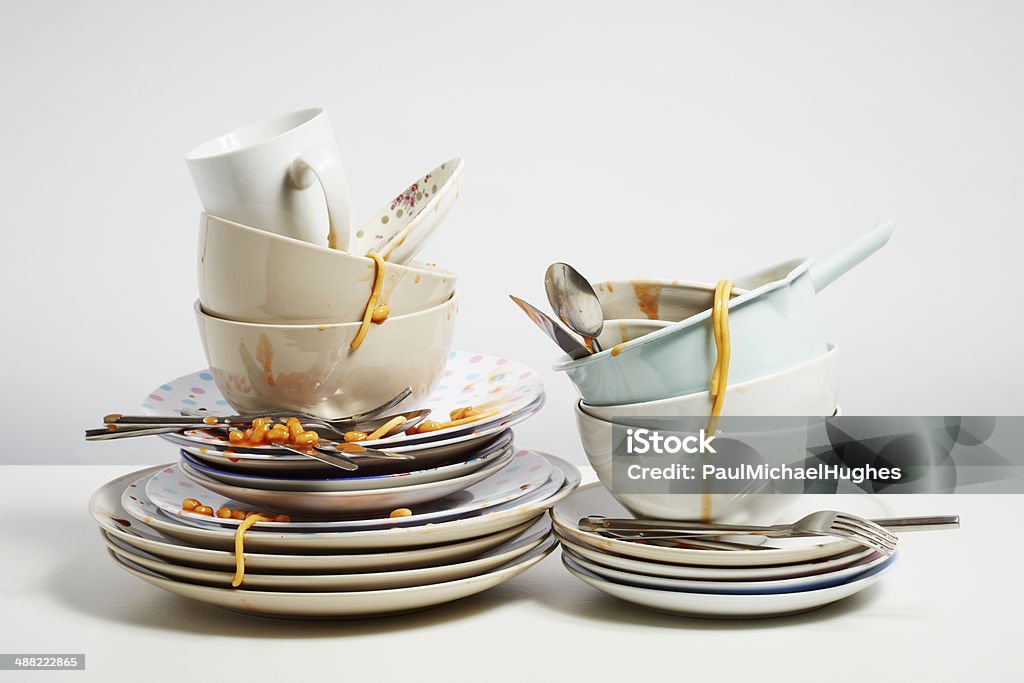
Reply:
x=555 y=331
x=575 y=302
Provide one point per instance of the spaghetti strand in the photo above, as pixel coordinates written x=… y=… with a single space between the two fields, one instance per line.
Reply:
x=240 y=546
x=378 y=284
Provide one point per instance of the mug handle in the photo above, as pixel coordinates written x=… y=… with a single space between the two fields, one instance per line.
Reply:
x=319 y=164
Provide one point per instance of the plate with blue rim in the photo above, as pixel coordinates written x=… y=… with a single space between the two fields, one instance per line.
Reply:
x=317 y=480
x=565 y=477
x=501 y=482
x=728 y=606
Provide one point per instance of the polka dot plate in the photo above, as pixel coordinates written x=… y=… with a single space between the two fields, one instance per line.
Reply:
x=524 y=473
x=469 y=379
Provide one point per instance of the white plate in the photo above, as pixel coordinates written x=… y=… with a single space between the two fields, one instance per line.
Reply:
x=402 y=578
x=106 y=509
x=494 y=451
x=457 y=506
x=501 y=481
x=438 y=511
x=794 y=585
x=564 y=479
x=683 y=571
x=324 y=509
x=324 y=605
x=594 y=499
x=468 y=379
x=428 y=451
x=428 y=454
x=727 y=606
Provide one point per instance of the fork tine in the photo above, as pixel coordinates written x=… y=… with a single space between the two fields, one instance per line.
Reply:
x=880 y=538
x=868 y=527
x=859 y=535
x=856 y=536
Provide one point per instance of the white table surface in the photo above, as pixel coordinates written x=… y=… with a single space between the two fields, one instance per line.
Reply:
x=949 y=611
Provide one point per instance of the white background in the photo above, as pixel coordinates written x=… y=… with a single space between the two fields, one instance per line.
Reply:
x=641 y=139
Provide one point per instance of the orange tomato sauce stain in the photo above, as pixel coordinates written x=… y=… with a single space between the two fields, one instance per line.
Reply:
x=647 y=296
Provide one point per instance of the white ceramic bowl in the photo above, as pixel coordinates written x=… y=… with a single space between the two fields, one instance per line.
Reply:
x=261 y=367
x=809 y=389
x=257 y=276
x=599 y=444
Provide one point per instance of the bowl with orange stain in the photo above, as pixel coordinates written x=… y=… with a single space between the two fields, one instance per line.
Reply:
x=774 y=324
x=617 y=332
x=255 y=276
x=262 y=367
x=655 y=300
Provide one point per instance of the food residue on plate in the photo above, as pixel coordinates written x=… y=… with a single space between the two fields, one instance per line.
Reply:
x=265 y=431
x=247 y=517
x=379 y=433
x=458 y=417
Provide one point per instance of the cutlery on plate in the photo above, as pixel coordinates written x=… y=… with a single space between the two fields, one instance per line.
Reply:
x=368 y=425
x=575 y=302
x=201 y=416
x=340 y=461
x=340 y=449
x=674 y=528
x=821 y=523
x=333 y=422
x=553 y=329
x=701 y=542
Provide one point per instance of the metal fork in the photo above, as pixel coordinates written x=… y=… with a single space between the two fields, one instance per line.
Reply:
x=127 y=428
x=336 y=423
x=821 y=523
x=199 y=416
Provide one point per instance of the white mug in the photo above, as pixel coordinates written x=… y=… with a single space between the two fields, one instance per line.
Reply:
x=263 y=175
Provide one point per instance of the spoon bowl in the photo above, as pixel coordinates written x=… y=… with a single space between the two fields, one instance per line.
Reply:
x=401 y=229
x=575 y=302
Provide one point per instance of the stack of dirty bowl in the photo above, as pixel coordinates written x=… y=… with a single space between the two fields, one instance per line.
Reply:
x=374 y=464
x=659 y=354
x=781 y=362
x=278 y=316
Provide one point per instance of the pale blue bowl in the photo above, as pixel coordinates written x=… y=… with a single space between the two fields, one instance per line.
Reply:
x=773 y=326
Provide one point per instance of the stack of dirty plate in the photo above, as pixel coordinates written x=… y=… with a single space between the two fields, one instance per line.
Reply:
x=463 y=514
x=756 y=577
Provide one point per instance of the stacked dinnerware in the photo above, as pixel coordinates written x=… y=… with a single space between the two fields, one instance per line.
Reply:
x=659 y=354
x=464 y=514
x=305 y=320
x=771 y=577
x=781 y=363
